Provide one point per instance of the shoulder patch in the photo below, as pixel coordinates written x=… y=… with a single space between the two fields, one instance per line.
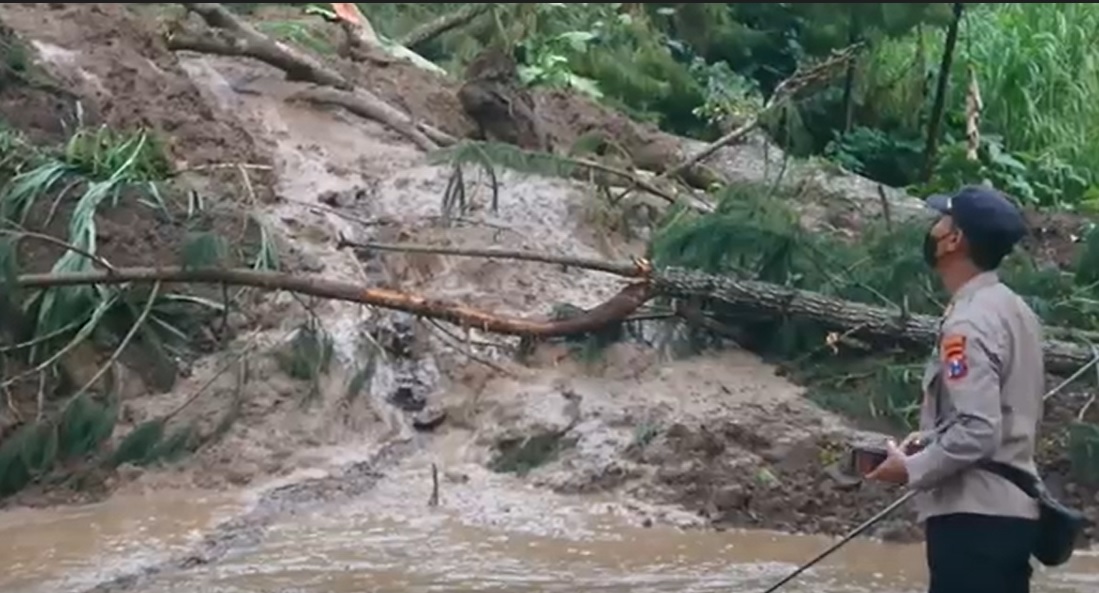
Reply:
x=952 y=351
x=952 y=345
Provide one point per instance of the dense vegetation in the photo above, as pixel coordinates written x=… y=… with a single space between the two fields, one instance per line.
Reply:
x=696 y=68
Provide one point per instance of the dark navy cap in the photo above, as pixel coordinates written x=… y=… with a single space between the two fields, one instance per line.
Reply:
x=983 y=214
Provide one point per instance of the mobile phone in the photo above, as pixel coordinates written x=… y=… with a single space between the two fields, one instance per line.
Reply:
x=864 y=459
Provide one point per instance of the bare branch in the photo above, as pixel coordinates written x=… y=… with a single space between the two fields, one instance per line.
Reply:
x=432 y=29
x=635 y=269
x=797 y=84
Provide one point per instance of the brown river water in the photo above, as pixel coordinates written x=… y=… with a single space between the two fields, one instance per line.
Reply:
x=489 y=533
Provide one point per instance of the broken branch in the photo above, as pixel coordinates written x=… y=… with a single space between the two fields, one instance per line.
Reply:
x=617 y=307
x=432 y=29
x=798 y=83
x=230 y=36
x=238 y=38
x=747 y=296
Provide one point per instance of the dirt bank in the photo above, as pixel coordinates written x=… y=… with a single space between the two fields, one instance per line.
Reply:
x=718 y=433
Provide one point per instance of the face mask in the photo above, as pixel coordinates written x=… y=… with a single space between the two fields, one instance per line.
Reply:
x=930 y=245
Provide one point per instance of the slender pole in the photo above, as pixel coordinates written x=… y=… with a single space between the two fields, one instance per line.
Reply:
x=847 y=538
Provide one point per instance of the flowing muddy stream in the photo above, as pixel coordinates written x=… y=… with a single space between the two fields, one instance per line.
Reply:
x=490 y=532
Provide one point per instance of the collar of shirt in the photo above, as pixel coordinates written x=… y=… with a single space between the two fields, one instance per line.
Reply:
x=973 y=285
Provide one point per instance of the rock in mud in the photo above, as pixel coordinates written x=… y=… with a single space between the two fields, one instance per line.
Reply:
x=527 y=430
x=533 y=411
x=429 y=418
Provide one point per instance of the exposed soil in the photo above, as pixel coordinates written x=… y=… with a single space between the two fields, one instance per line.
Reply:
x=1055 y=236
x=718 y=433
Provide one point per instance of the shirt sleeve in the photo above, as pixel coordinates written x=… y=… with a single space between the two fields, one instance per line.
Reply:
x=970 y=370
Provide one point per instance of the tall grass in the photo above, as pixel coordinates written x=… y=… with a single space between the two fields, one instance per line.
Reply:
x=1039 y=71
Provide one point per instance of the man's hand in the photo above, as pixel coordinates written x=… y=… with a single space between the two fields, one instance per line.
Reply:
x=893 y=469
x=912 y=443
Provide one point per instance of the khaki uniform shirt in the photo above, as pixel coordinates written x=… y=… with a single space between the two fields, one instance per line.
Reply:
x=987 y=374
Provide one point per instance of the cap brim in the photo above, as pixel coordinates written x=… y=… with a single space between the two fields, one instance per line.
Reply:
x=939 y=203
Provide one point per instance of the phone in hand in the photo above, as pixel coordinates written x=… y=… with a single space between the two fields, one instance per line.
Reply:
x=864 y=459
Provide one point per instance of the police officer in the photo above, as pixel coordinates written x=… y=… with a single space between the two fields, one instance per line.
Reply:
x=982 y=400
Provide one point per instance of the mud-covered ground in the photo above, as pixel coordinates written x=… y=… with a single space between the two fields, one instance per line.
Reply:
x=719 y=434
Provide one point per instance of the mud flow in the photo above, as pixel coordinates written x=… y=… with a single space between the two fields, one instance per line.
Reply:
x=488 y=533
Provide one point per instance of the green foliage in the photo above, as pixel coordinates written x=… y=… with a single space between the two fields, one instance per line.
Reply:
x=1035 y=182
x=308 y=356
x=1038 y=78
x=93 y=171
x=205 y=250
x=521 y=456
x=696 y=69
x=138 y=446
x=754 y=235
x=729 y=96
x=549 y=59
x=104 y=164
x=37 y=448
x=887 y=158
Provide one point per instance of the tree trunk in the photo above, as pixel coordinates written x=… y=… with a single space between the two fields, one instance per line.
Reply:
x=747 y=296
x=857 y=319
x=853 y=34
x=940 y=93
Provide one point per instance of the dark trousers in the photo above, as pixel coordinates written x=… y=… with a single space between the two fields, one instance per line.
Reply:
x=979 y=553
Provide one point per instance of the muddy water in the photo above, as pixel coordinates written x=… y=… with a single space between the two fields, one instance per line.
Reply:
x=62 y=548
x=488 y=533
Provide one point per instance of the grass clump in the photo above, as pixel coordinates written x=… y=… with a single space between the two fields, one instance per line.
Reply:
x=95 y=170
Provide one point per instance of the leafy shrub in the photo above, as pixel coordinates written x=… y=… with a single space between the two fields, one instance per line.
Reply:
x=1045 y=181
x=892 y=160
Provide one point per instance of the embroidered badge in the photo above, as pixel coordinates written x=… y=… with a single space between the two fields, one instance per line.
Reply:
x=956 y=368
x=952 y=351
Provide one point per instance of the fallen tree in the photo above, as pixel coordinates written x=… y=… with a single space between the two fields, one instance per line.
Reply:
x=227 y=35
x=760 y=298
